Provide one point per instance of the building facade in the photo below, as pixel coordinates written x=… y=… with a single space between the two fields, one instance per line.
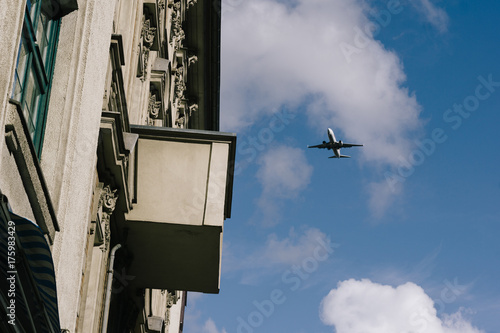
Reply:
x=115 y=180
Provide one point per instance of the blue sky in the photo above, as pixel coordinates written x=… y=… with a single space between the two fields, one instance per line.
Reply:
x=404 y=236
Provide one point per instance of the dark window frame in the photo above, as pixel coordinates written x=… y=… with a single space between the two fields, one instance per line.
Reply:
x=35 y=67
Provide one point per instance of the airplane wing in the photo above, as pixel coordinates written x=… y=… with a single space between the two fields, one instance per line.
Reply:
x=349 y=145
x=321 y=146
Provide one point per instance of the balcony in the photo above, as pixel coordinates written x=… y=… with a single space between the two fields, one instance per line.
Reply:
x=182 y=195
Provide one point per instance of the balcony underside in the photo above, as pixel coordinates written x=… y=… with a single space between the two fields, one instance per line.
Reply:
x=175 y=257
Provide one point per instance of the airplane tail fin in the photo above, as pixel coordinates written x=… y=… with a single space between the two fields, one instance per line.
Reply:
x=341 y=156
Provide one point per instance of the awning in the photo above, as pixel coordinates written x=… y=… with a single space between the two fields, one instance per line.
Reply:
x=35 y=292
x=56 y=9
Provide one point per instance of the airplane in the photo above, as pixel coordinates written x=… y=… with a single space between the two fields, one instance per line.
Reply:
x=335 y=145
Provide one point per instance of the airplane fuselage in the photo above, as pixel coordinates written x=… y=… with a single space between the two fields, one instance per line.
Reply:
x=333 y=141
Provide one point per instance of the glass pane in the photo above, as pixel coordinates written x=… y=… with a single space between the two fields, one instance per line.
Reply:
x=26 y=112
x=31 y=102
x=18 y=90
x=22 y=60
x=28 y=89
x=35 y=108
x=32 y=6
x=41 y=36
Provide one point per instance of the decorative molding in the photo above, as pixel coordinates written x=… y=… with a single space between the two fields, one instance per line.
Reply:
x=161 y=4
x=191 y=3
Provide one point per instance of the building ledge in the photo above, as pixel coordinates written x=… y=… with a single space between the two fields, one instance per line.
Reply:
x=21 y=147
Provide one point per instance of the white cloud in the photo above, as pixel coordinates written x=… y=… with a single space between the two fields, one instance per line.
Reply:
x=283 y=173
x=275 y=55
x=436 y=16
x=292 y=249
x=419 y=272
x=210 y=327
x=194 y=317
x=363 y=306
x=194 y=297
x=382 y=196
x=277 y=254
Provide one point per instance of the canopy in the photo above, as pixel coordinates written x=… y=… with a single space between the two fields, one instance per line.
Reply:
x=35 y=292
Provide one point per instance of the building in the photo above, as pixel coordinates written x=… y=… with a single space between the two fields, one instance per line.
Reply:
x=115 y=180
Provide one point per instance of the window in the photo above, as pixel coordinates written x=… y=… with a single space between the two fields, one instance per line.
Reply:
x=34 y=68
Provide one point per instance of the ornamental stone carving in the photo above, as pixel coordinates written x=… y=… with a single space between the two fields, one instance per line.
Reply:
x=177 y=40
x=148 y=36
x=192 y=59
x=180 y=121
x=177 y=6
x=145 y=59
x=171 y=299
x=178 y=34
x=148 y=33
x=180 y=85
x=153 y=106
x=107 y=202
x=105 y=100
x=176 y=17
x=191 y=3
x=107 y=237
x=193 y=108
